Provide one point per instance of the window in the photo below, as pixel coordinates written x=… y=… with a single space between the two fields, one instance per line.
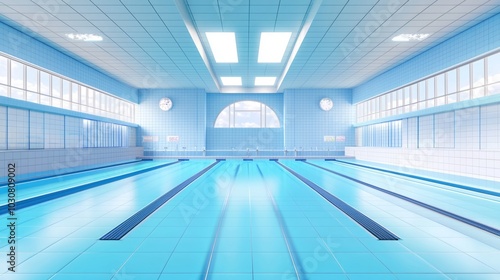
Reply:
x=16 y=74
x=3 y=70
x=494 y=68
x=247 y=114
x=24 y=82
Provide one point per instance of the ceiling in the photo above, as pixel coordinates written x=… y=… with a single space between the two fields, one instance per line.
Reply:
x=152 y=44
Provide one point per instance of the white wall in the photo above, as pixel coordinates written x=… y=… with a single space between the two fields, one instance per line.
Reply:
x=472 y=163
x=50 y=162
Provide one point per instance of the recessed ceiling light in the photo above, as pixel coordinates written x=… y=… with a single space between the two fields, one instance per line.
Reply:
x=231 y=81
x=265 y=81
x=84 y=37
x=410 y=37
x=223 y=45
x=272 y=46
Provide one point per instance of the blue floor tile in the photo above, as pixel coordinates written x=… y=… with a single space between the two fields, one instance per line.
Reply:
x=271 y=244
x=96 y=263
x=234 y=245
x=191 y=244
x=405 y=263
x=360 y=263
x=46 y=262
x=158 y=245
x=315 y=263
x=186 y=263
x=145 y=263
x=272 y=263
x=456 y=263
x=231 y=263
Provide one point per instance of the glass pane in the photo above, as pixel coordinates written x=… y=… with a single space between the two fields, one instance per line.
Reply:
x=440 y=86
x=75 y=94
x=272 y=120
x=56 y=102
x=32 y=79
x=56 y=86
x=90 y=98
x=247 y=119
x=382 y=103
x=430 y=89
x=3 y=70
x=66 y=90
x=3 y=127
x=414 y=93
x=464 y=95
x=3 y=90
x=478 y=92
x=83 y=97
x=451 y=77
x=32 y=96
x=400 y=98
x=464 y=73
x=45 y=100
x=44 y=83
x=247 y=105
x=494 y=68
x=422 y=89
x=478 y=73
x=97 y=99
x=494 y=89
x=16 y=74
x=407 y=95
x=452 y=98
x=17 y=93
x=440 y=101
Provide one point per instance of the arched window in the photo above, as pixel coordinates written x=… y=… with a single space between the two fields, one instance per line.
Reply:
x=247 y=114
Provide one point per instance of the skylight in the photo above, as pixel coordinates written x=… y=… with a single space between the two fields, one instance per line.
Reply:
x=223 y=45
x=272 y=46
x=410 y=37
x=84 y=37
x=231 y=81
x=265 y=81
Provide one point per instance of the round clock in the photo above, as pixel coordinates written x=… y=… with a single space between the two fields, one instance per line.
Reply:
x=326 y=104
x=165 y=104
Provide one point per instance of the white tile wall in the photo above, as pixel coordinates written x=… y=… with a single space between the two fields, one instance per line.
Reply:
x=49 y=162
x=472 y=163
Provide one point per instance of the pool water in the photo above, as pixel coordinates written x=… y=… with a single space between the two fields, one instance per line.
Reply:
x=251 y=220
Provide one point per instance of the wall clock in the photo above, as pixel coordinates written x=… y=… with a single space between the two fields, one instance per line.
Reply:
x=165 y=104
x=326 y=104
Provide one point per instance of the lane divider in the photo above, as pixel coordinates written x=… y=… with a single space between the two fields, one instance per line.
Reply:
x=370 y=225
x=419 y=203
x=20 y=204
x=125 y=227
x=459 y=186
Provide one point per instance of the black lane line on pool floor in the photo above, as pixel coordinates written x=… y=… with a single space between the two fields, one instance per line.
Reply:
x=370 y=225
x=417 y=202
x=458 y=186
x=125 y=227
x=61 y=193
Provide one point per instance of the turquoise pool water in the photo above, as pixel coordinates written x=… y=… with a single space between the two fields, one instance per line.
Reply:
x=251 y=220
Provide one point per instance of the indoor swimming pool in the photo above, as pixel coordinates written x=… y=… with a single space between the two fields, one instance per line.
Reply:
x=254 y=219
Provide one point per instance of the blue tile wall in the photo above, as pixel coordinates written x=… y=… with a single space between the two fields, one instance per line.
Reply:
x=22 y=46
x=185 y=119
x=306 y=123
x=477 y=40
x=243 y=138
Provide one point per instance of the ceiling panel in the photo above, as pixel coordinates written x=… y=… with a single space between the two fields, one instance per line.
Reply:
x=348 y=43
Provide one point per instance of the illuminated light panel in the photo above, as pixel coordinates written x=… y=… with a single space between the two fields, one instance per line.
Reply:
x=84 y=37
x=231 y=81
x=272 y=46
x=265 y=81
x=223 y=46
x=410 y=37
